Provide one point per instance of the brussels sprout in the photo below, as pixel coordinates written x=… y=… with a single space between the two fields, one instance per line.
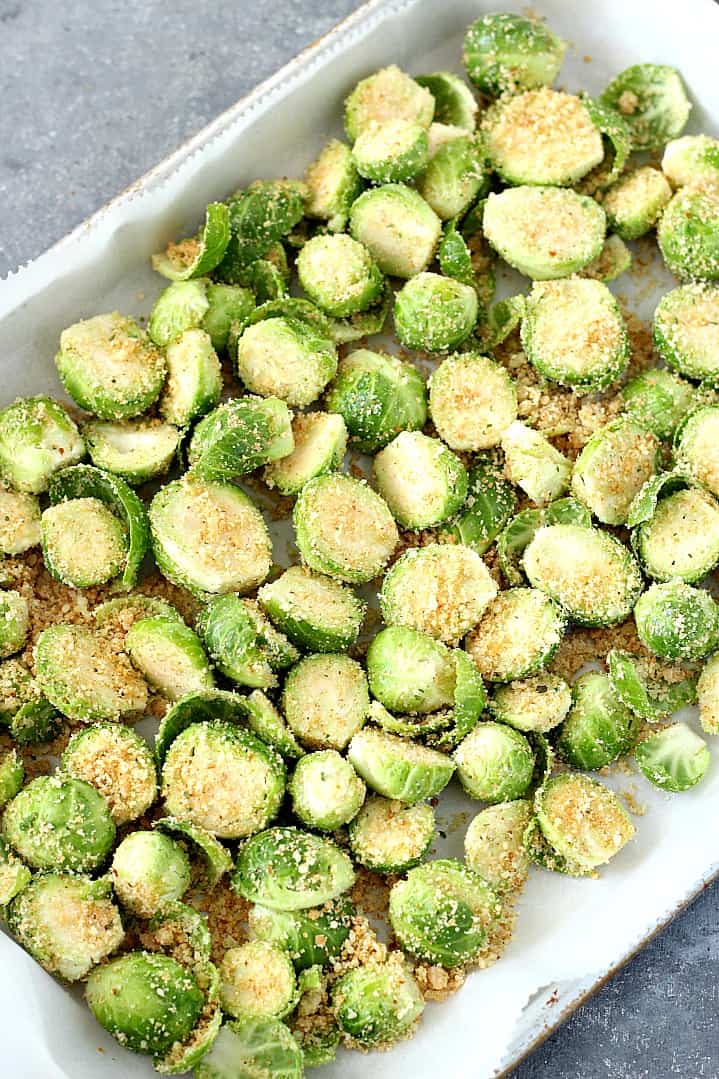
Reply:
x=147 y=1002
x=399 y=229
x=401 y=770
x=288 y=870
x=652 y=100
x=222 y=778
x=542 y=137
x=673 y=759
x=197 y=708
x=518 y=534
x=109 y=366
x=12 y=775
x=440 y=589
x=613 y=260
x=118 y=763
x=676 y=621
x=239 y=436
x=681 y=539
x=37 y=437
x=634 y=203
x=57 y=822
x=326 y=791
x=573 y=333
x=285 y=358
x=434 y=313
x=566 y=230
x=599 y=727
x=136 y=450
x=243 y=644
x=326 y=700
x=269 y=725
x=658 y=400
x=377 y=1005
x=170 y=656
x=85 y=680
x=532 y=463
x=333 y=183
x=489 y=504
x=613 y=467
x=494 y=763
x=685 y=334
x=23 y=709
x=454 y=102
x=83 y=542
x=290 y=307
x=587 y=571
x=454 y=177
x=394 y=150
x=260 y=1047
x=198 y=254
x=343 y=528
x=14 y=876
x=338 y=274
x=315 y=612
x=507 y=53
x=259 y=216
x=19 y=521
x=378 y=396
x=518 y=633
x=214 y=859
x=494 y=848
x=390 y=837
x=538 y=703
x=692 y=159
x=320 y=441
x=209 y=537
x=409 y=671
x=707 y=692
x=657 y=488
x=180 y=307
x=68 y=924
x=318 y=1042
x=149 y=870
x=649 y=696
x=311 y=937
x=688 y=233
x=387 y=95
x=124 y=610
x=472 y=401
x=194 y=378
x=540 y=851
x=443 y=912
x=14 y=622
x=422 y=481
x=436 y=726
x=695 y=447
x=257 y=979
x=228 y=304
x=582 y=820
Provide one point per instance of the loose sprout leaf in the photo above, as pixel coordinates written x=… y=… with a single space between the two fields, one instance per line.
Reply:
x=518 y=534
x=197 y=256
x=649 y=699
x=217 y=860
x=540 y=851
x=261 y=1047
x=490 y=502
x=660 y=486
x=503 y=318
x=673 y=759
x=617 y=144
x=197 y=708
x=454 y=256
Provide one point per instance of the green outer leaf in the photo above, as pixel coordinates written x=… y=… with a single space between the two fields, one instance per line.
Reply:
x=293 y=307
x=239 y=436
x=363 y=323
x=213 y=240
x=502 y=319
x=615 y=131
x=454 y=256
x=197 y=1045
x=34 y=721
x=86 y=481
x=197 y=708
x=217 y=859
x=269 y=725
x=644 y=505
x=539 y=851
x=259 y=1048
x=674 y=759
x=491 y=500
x=634 y=693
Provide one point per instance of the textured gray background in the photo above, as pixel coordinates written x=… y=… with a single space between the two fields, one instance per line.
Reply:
x=92 y=94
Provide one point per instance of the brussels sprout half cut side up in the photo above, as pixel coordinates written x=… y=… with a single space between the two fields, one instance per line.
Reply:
x=320 y=441
x=472 y=401
x=170 y=656
x=326 y=791
x=456 y=175
x=377 y=1005
x=534 y=704
x=691 y=159
x=507 y=53
x=494 y=845
x=409 y=671
x=83 y=542
x=136 y=450
x=326 y=700
x=197 y=255
x=387 y=95
x=19 y=521
x=533 y=463
x=390 y=837
x=681 y=538
x=613 y=467
x=673 y=759
x=685 y=330
x=118 y=763
x=197 y=708
x=652 y=100
x=338 y=274
x=194 y=378
x=582 y=820
x=306 y=871
x=518 y=633
x=688 y=233
x=393 y=151
x=399 y=229
x=37 y=438
x=695 y=447
x=634 y=203
x=422 y=482
x=516 y=536
x=148 y=871
x=315 y=612
x=257 y=979
x=399 y=769
x=286 y=357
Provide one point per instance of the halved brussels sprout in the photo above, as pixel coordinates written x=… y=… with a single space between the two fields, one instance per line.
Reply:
x=239 y=436
x=696 y=447
x=326 y=700
x=320 y=441
x=685 y=330
x=544 y=232
x=588 y=572
x=197 y=255
x=582 y=819
x=181 y=306
x=214 y=859
x=688 y=233
x=658 y=400
x=136 y=450
x=399 y=229
x=443 y=912
x=538 y=703
x=647 y=694
x=257 y=979
x=194 y=378
x=394 y=150
x=378 y=396
x=634 y=203
x=37 y=437
x=676 y=621
x=494 y=763
x=315 y=612
x=57 y=822
x=259 y=1047
x=364 y=323
x=84 y=679
x=287 y=869
x=673 y=759
x=652 y=100
x=542 y=137
x=613 y=260
x=228 y=304
x=518 y=633
x=28 y=716
x=124 y=610
x=197 y=708
x=490 y=502
x=409 y=671
x=434 y=313
x=472 y=401
x=599 y=727
x=326 y=791
x=399 y=769
x=681 y=538
x=533 y=463
x=507 y=53
x=12 y=775
x=83 y=542
x=541 y=852
x=692 y=159
x=14 y=876
x=209 y=537
x=109 y=366
x=440 y=589
x=573 y=332
x=454 y=102
x=494 y=847
x=386 y=95
x=19 y=521
x=243 y=644
x=311 y=937
x=285 y=357
x=222 y=778
x=343 y=528
x=68 y=924
x=390 y=837
x=333 y=184
x=338 y=274
x=118 y=763
x=707 y=696
x=456 y=175
x=516 y=536
x=170 y=656
x=147 y=1002
x=422 y=482
x=149 y=870
x=14 y=622
x=613 y=467
x=377 y=1005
